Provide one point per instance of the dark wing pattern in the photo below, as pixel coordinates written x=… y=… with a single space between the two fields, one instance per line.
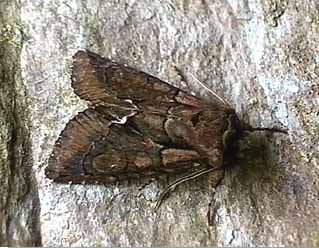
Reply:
x=137 y=125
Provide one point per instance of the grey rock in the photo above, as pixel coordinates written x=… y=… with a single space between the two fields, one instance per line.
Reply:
x=262 y=56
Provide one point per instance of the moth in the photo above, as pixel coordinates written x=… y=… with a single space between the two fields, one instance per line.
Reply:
x=138 y=126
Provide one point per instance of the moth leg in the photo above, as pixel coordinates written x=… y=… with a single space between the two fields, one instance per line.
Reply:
x=188 y=177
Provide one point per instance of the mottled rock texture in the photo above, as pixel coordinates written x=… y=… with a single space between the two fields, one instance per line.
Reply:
x=19 y=201
x=262 y=56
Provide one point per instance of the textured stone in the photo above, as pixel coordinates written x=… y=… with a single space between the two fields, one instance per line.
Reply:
x=19 y=202
x=262 y=56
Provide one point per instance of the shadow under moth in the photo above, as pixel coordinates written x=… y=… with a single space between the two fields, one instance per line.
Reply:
x=139 y=126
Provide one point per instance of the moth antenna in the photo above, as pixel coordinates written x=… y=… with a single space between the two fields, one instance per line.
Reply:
x=210 y=90
x=179 y=181
x=249 y=128
x=181 y=74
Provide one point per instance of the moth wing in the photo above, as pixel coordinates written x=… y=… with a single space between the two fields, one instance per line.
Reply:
x=100 y=80
x=73 y=143
x=94 y=148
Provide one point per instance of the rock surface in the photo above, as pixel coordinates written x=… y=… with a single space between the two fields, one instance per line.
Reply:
x=262 y=56
x=19 y=201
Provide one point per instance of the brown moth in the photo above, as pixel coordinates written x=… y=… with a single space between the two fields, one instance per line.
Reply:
x=138 y=126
